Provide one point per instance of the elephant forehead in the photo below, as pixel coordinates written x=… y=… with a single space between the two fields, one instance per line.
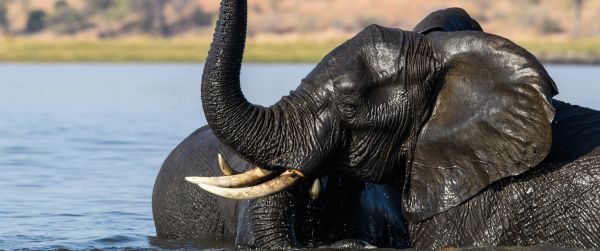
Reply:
x=383 y=59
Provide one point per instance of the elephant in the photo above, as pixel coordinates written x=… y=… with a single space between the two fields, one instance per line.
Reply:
x=185 y=214
x=452 y=131
x=284 y=220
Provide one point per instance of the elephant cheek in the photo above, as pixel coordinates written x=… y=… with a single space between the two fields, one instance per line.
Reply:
x=325 y=142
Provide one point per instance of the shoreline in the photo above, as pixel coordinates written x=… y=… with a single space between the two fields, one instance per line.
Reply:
x=569 y=59
x=555 y=60
x=155 y=50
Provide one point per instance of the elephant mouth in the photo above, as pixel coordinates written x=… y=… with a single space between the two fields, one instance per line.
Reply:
x=252 y=184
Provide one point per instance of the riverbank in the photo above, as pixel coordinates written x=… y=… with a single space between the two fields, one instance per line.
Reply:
x=153 y=50
x=564 y=51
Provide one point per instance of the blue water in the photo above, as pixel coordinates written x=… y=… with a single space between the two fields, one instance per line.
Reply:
x=80 y=145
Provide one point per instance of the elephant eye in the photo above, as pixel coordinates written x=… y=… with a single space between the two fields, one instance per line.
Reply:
x=348 y=106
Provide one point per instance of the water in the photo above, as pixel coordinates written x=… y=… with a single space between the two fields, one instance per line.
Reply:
x=80 y=145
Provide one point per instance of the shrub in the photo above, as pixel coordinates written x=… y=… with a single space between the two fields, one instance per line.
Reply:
x=36 y=21
x=549 y=26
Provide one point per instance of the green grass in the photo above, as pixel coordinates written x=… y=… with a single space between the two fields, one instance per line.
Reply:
x=153 y=50
x=194 y=50
x=589 y=45
x=565 y=51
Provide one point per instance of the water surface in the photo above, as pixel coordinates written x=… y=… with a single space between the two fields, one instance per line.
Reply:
x=80 y=145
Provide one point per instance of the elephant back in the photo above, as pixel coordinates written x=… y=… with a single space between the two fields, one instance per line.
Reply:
x=575 y=133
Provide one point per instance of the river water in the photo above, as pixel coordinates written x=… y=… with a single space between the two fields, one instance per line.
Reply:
x=81 y=144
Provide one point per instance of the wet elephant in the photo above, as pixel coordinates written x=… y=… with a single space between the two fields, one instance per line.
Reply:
x=459 y=127
x=347 y=212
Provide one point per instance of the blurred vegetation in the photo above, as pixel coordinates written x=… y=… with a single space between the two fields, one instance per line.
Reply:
x=155 y=50
x=4 y=25
x=582 y=50
x=279 y=30
x=169 y=18
x=36 y=21
x=194 y=50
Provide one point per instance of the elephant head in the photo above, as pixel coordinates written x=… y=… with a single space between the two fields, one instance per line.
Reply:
x=441 y=115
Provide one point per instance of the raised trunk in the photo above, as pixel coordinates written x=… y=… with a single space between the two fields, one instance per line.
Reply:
x=258 y=134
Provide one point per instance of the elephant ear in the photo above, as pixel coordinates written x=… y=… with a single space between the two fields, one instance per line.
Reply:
x=491 y=119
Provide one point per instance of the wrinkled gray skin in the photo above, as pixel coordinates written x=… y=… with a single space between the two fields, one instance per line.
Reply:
x=461 y=125
x=182 y=211
x=558 y=202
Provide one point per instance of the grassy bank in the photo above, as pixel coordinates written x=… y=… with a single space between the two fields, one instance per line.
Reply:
x=194 y=50
x=154 y=50
x=585 y=51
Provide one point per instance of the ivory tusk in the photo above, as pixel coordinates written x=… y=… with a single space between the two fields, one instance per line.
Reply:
x=227 y=170
x=248 y=178
x=281 y=182
x=315 y=190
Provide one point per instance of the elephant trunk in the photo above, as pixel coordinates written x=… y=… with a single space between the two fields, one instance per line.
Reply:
x=254 y=132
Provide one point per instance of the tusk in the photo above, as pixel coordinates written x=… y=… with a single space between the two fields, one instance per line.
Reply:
x=227 y=170
x=248 y=178
x=281 y=182
x=315 y=190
